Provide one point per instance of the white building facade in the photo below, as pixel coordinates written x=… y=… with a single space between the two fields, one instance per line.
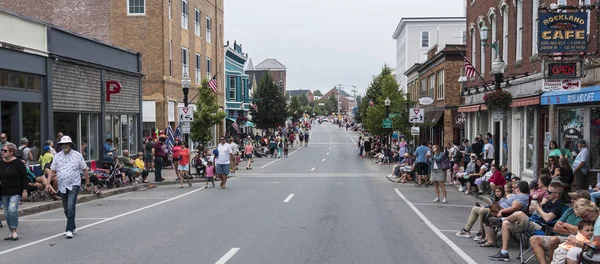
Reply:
x=415 y=36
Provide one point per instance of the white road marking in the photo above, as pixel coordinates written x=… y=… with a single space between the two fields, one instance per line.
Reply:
x=278 y=159
x=288 y=198
x=456 y=249
x=313 y=168
x=227 y=256
x=353 y=140
x=61 y=219
x=329 y=148
x=327 y=153
x=322 y=160
x=137 y=198
x=100 y=222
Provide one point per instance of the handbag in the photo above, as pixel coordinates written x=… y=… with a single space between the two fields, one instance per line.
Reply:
x=445 y=163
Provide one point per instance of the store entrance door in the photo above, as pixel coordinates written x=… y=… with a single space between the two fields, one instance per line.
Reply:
x=9 y=112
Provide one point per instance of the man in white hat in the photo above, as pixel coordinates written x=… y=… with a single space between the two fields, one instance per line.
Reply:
x=68 y=166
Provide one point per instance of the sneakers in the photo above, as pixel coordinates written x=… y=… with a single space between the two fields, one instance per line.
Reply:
x=436 y=200
x=500 y=257
x=461 y=188
x=463 y=233
x=444 y=201
x=479 y=236
x=495 y=221
x=69 y=234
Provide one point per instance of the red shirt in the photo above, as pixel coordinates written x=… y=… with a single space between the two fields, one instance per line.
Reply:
x=497 y=179
x=185 y=157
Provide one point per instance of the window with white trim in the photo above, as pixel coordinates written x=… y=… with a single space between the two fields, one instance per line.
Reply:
x=505 y=33
x=208 y=26
x=197 y=22
x=208 y=64
x=170 y=16
x=431 y=82
x=423 y=91
x=170 y=58
x=482 y=55
x=198 y=69
x=424 y=39
x=584 y=2
x=184 y=14
x=440 y=84
x=136 y=7
x=232 y=88
x=473 y=48
x=534 y=27
x=185 y=67
x=493 y=27
x=519 y=53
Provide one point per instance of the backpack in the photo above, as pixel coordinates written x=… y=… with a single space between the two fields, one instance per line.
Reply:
x=458 y=156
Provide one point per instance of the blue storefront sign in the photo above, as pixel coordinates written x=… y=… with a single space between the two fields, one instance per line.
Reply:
x=562 y=32
x=585 y=95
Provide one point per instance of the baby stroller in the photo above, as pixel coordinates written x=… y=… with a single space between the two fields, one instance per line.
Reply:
x=198 y=164
x=108 y=173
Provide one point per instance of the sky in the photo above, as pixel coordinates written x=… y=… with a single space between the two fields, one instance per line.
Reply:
x=324 y=43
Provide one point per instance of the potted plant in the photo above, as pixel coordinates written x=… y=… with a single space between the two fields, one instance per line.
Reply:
x=498 y=100
x=241 y=119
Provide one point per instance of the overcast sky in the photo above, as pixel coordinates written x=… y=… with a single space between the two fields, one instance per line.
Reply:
x=326 y=42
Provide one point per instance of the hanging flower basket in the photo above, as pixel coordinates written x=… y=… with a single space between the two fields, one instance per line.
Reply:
x=498 y=100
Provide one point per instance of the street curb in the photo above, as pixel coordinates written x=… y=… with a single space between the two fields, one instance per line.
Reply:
x=482 y=198
x=51 y=205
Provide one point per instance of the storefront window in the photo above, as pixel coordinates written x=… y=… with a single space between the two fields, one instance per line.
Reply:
x=505 y=150
x=530 y=144
x=133 y=140
x=570 y=126
x=84 y=149
x=67 y=124
x=116 y=131
x=4 y=78
x=594 y=146
x=125 y=133
x=93 y=137
x=18 y=80
x=31 y=122
x=107 y=128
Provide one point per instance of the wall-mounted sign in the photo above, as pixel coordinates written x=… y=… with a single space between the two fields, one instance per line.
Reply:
x=562 y=32
x=112 y=87
x=562 y=70
x=551 y=85
x=425 y=100
x=414 y=131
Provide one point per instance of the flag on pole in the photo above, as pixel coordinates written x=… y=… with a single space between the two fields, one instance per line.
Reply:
x=236 y=127
x=213 y=83
x=255 y=107
x=469 y=69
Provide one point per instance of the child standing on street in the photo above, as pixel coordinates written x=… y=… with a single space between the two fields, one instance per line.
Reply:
x=285 y=148
x=210 y=172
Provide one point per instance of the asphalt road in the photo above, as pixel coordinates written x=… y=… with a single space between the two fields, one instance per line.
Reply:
x=322 y=204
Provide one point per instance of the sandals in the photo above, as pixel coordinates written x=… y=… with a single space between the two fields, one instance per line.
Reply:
x=486 y=244
x=13 y=238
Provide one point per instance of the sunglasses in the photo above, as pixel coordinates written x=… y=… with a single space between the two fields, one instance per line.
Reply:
x=5 y=150
x=549 y=192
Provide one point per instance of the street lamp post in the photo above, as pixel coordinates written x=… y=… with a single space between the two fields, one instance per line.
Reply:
x=387 y=103
x=185 y=87
x=498 y=71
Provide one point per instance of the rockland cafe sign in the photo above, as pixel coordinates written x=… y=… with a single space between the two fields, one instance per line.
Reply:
x=563 y=32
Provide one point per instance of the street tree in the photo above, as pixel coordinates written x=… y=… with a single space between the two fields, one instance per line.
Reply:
x=303 y=100
x=294 y=109
x=357 y=114
x=270 y=104
x=317 y=93
x=206 y=115
x=385 y=86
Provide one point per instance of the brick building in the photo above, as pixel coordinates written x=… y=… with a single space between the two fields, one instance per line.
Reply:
x=520 y=135
x=276 y=69
x=173 y=36
x=345 y=101
x=297 y=93
x=54 y=81
x=437 y=78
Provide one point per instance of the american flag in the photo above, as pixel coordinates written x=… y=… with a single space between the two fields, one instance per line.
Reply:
x=255 y=107
x=213 y=83
x=469 y=69
x=236 y=127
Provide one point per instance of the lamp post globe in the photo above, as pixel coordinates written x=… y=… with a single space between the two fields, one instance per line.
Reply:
x=483 y=34
x=185 y=87
x=387 y=101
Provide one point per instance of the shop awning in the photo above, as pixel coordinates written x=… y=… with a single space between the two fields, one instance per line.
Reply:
x=470 y=108
x=231 y=119
x=535 y=100
x=249 y=124
x=433 y=116
x=585 y=95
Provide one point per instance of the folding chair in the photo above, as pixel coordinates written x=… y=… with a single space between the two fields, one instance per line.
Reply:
x=523 y=237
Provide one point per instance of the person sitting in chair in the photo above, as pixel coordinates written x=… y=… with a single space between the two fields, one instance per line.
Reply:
x=129 y=167
x=140 y=164
x=544 y=214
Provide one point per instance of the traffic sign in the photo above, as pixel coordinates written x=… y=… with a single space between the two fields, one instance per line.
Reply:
x=185 y=127
x=387 y=123
x=186 y=114
x=414 y=131
x=416 y=115
x=394 y=114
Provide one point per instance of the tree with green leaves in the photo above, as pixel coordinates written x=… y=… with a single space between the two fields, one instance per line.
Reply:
x=317 y=93
x=385 y=86
x=303 y=100
x=206 y=115
x=270 y=103
x=294 y=109
x=357 y=114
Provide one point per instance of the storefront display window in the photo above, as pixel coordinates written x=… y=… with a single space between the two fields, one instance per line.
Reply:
x=124 y=129
x=530 y=144
x=505 y=150
x=31 y=122
x=84 y=149
x=93 y=137
x=571 y=126
x=66 y=123
x=594 y=146
x=83 y=130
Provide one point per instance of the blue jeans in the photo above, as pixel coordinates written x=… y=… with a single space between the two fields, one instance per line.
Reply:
x=11 y=210
x=595 y=196
x=69 y=200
